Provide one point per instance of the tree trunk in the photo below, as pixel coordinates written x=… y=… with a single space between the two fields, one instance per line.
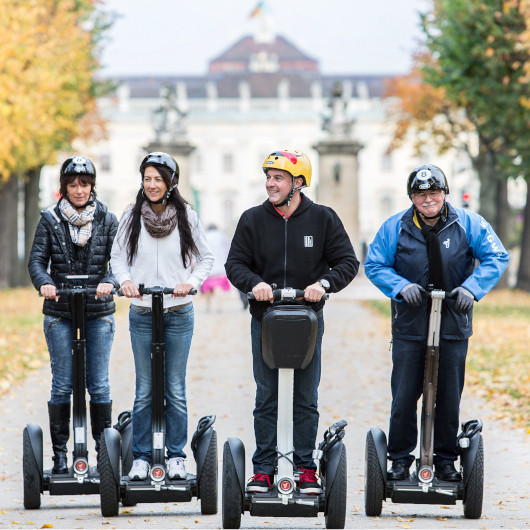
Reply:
x=501 y=222
x=31 y=217
x=485 y=166
x=9 y=232
x=523 y=274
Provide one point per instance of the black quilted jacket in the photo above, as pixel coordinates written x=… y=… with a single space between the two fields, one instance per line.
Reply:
x=53 y=257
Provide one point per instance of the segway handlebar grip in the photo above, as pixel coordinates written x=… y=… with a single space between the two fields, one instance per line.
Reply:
x=427 y=293
x=286 y=294
x=162 y=290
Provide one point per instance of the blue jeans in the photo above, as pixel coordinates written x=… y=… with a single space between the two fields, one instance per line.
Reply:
x=408 y=358
x=99 y=334
x=305 y=408
x=178 y=331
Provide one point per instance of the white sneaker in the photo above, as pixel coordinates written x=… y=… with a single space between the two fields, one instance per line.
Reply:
x=176 y=468
x=139 y=470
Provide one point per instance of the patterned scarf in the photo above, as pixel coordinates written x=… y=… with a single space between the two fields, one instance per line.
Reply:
x=80 y=224
x=159 y=225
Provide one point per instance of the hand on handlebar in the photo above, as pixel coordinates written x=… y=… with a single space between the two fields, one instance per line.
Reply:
x=314 y=292
x=103 y=290
x=412 y=294
x=263 y=292
x=181 y=290
x=464 y=299
x=129 y=290
x=49 y=291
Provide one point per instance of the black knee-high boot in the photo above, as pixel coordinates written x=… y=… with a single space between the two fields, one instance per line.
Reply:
x=59 y=414
x=100 y=419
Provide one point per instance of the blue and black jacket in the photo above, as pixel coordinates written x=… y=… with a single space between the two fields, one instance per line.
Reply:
x=398 y=256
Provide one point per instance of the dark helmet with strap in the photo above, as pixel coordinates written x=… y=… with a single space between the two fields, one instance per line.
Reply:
x=158 y=158
x=427 y=177
x=78 y=165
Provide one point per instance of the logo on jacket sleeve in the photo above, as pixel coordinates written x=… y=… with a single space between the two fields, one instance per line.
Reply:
x=308 y=241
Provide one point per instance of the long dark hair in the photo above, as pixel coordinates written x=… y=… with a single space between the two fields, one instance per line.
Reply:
x=188 y=248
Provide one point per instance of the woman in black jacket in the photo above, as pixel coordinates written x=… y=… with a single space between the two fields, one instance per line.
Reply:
x=74 y=237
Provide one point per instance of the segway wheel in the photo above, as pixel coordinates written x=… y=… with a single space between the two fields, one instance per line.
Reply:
x=474 y=489
x=336 y=498
x=32 y=476
x=232 y=495
x=208 y=479
x=109 y=489
x=374 y=484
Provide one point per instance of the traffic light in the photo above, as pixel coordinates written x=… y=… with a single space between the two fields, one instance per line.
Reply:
x=466 y=197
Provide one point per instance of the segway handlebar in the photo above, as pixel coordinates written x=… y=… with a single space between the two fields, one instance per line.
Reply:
x=286 y=294
x=152 y=290
x=436 y=293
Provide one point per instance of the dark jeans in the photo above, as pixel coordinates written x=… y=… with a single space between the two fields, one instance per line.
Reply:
x=408 y=358
x=99 y=334
x=178 y=332
x=305 y=409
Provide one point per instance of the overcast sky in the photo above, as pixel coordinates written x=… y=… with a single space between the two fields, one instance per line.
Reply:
x=181 y=36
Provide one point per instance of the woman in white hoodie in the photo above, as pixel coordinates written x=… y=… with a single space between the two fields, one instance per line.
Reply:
x=160 y=241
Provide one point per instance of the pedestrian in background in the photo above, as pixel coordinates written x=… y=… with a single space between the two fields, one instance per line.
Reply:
x=217 y=280
x=74 y=237
x=435 y=246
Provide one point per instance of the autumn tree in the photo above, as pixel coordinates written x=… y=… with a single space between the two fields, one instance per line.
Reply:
x=477 y=68
x=49 y=53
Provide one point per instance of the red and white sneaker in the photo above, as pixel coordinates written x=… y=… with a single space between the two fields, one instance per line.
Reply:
x=259 y=483
x=309 y=482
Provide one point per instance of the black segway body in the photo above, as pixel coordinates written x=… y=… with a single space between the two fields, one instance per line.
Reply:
x=116 y=452
x=288 y=338
x=422 y=487
x=81 y=478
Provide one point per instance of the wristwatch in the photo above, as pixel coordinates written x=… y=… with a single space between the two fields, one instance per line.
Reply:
x=324 y=284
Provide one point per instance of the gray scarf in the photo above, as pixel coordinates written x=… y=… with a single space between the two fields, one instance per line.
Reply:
x=159 y=225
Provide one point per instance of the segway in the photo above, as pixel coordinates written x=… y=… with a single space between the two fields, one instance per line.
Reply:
x=422 y=487
x=288 y=338
x=81 y=479
x=115 y=457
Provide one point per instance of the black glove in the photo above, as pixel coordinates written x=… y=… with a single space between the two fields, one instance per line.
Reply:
x=411 y=294
x=464 y=300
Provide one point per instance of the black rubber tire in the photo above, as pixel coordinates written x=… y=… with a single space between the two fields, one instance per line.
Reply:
x=232 y=495
x=374 y=484
x=335 y=515
x=208 y=479
x=125 y=502
x=32 y=475
x=109 y=489
x=127 y=459
x=474 y=489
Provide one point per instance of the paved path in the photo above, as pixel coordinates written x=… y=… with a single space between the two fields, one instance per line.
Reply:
x=355 y=386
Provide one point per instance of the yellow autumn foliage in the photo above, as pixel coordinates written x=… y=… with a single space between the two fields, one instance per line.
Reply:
x=47 y=62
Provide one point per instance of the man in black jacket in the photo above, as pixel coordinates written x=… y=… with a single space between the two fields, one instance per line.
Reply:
x=290 y=241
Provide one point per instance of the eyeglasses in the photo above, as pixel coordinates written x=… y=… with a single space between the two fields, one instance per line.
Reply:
x=435 y=194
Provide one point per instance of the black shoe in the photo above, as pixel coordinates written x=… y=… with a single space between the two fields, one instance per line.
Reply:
x=260 y=483
x=398 y=471
x=447 y=473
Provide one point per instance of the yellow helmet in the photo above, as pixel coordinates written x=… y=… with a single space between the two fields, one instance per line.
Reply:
x=291 y=160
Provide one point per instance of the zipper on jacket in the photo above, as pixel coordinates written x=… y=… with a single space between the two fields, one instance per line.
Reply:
x=285 y=254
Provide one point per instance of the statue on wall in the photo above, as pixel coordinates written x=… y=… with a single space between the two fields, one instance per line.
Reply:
x=338 y=124
x=169 y=121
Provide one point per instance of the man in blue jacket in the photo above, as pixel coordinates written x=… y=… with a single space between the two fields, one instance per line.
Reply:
x=292 y=242
x=432 y=245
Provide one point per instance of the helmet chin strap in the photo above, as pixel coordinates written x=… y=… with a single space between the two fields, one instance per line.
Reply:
x=435 y=216
x=287 y=201
x=159 y=201
x=90 y=201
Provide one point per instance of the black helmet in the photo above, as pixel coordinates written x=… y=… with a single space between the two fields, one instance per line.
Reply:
x=159 y=158
x=76 y=165
x=427 y=177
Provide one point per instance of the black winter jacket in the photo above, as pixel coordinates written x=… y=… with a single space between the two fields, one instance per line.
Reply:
x=296 y=252
x=53 y=257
